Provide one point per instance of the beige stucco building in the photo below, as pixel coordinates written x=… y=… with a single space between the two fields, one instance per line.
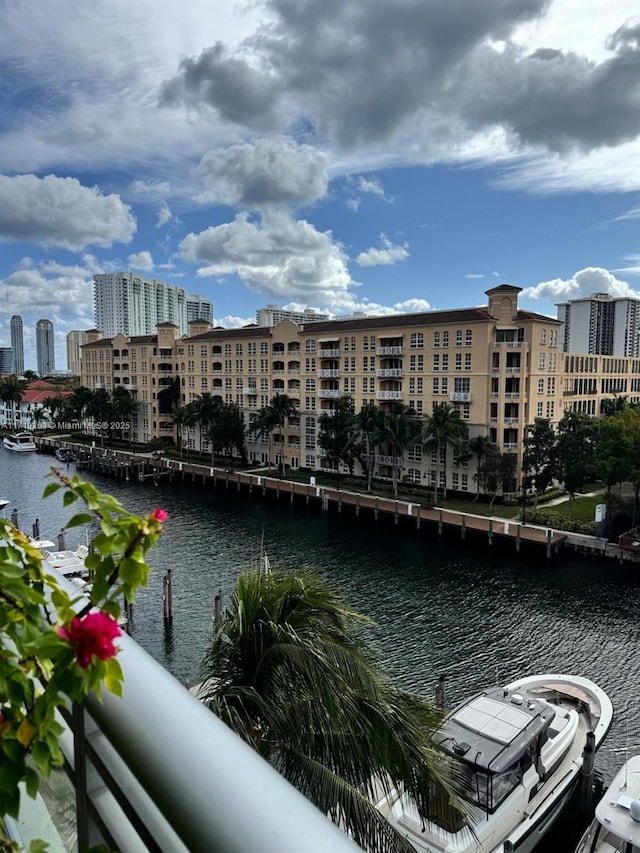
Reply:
x=501 y=367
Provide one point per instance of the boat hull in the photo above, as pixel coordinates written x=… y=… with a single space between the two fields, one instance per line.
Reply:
x=19 y=443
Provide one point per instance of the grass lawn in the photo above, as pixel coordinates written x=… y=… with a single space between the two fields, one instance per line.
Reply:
x=581 y=509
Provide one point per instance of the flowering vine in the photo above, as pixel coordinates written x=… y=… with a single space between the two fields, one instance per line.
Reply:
x=56 y=648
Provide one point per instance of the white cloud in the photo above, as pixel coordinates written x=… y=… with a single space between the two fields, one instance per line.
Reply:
x=232 y=322
x=371 y=185
x=474 y=275
x=353 y=204
x=634 y=269
x=633 y=213
x=164 y=216
x=61 y=212
x=268 y=171
x=390 y=253
x=141 y=261
x=277 y=256
x=582 y=284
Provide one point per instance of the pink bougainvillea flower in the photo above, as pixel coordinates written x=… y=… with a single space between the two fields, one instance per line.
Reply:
x=160 y=515
x=92 y=635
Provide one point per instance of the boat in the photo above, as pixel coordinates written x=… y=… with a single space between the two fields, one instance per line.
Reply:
x=20 y=441
x=521 y=749
x=65 y=454
x=616 y=825
x=69 y=563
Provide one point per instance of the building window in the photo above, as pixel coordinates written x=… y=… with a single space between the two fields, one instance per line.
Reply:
x=468 y=338
x=238 y=349
x=458 y=361
x=436 y=385
x=310 y=385
x=445 y=361
x=417 y=340
x=227 y=349
x=458 y=337
x=465 y=482
x=413 y=475
x=540 y=409
x=467 y=361
x=436 y=339
x=541 y=361
x=415 y=453
x=436 y=363
x=543 y=337
x=540 y=386
x=203 y=383
x=445 y=339
x=309 y=345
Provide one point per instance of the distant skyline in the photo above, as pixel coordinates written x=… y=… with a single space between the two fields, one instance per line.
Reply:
x=364 y=157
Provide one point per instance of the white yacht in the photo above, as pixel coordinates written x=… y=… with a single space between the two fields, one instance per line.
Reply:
x=616 y=826
x=19 y=441
x=68 y=563
x=521 y=748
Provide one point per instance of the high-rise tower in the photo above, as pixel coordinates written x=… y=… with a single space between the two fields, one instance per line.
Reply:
x=45 y=348
x=134 y=305
x=17 y=344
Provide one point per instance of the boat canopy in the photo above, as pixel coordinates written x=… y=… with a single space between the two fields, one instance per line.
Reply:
x=494 y=730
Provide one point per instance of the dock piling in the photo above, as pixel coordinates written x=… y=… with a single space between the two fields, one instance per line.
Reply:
x=62 y=546
x=441 y=692
x=167 y=597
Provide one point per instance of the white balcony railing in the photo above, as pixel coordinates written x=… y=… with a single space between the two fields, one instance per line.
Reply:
x=329 y=374
x=460 y=396
x=511 y=420
x=330 y=394
x=252 y=391
x=508 y=343
x=510 y=445
x=389 y=372
x=328 y=353
x=514 y=369
x=389 y=350
x=393 y=461
x=388 y=395
x=143 y=785
x=510 y=395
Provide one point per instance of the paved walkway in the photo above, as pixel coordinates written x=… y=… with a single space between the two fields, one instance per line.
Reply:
x=564 y=498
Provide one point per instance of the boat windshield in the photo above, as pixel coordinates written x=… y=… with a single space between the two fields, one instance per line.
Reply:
x=489 y=790
x=613 y=842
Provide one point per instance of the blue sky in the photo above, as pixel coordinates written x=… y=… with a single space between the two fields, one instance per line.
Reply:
x=353 y=156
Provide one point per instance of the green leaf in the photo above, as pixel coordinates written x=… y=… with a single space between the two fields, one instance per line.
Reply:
x=31 y=782
x=51 y=489
x=38 y=846
x=77 y=520
x=69 y=498
x=41 y=757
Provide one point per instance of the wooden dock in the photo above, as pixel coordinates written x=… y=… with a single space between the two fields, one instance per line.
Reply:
x=147 y=466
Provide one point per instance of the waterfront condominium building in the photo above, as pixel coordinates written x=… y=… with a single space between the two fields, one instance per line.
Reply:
x=271 y=315
x=600 y=325
x=45 y=347
x=499 y=366
x=17 y=344
x=75 y=340
x=130 y=304
x=199 y=308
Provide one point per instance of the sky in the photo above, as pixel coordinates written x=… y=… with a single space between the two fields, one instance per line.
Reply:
x=350 y=156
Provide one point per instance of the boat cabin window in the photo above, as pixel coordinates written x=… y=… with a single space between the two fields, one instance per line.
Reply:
x=490 y=789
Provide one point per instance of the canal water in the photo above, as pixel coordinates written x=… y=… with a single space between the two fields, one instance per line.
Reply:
x=463 y=611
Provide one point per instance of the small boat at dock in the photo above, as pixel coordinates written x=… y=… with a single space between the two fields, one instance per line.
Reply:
x=21 y=442
x=521 y=748
x=65 y=454
x=616 y=825
x=68 y=563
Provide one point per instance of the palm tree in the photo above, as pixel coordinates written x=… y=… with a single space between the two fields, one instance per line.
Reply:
x=398 y=431
x=443 y=429
x=287 y=670
x=369 y=426
x=204 y=413
x=99 y=410
x=479 y=446
x=181 y=418
x=38 y=416
x=78 y=400
x=124 y=406
x=274 y=415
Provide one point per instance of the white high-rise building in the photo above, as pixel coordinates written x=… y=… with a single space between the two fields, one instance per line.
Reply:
x=199 y=308
x=131 y=304
x=75 y=340
x=271 y=315
x=17 y=344
x=45 y=347
x=600 y=324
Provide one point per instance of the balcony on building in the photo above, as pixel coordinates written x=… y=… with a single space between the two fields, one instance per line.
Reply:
x=512 y=388
x=216 y=349
x=293 y=367
x=216 y=367
x=389 y=345
x=293 y=389
x=217 y=385
x=329 y=393
x=510 y=439
x=511 y=413
x=128 y=786
x=329 y=373
x=165 y=367
x=389 y=372
x=293 y=348
x=251 y=390
x=277 y=349
x=389 y=395
x=278 y=386
x=460 y=396
x=509 y=338
x=278 y=368
x=513 y=362
x=165 y=352
x=328 y=347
